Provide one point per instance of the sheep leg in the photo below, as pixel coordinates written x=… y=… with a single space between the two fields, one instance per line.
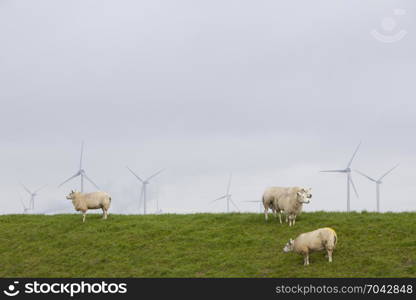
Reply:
x=84 y=213
x=104 y=214
x=306 y=259
x=329 y=251
x=265 y=214
x=294 y=221
x=280 y=217
x=290 y=220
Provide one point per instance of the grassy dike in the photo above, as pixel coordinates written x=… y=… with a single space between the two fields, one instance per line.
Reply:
x=203 y=245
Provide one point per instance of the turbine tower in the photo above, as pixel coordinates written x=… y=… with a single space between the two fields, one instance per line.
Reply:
x=227 y=196
x=158 y=210
x=377 y=182
x=145 y=182
x=347 y=171
x=32 y=196
x=81 y=173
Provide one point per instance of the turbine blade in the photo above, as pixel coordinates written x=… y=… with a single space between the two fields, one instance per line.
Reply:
x=353 y=156
x=82 y=152
x=333 y=171
x=222 y=197
x=21 y=201
x=92 y=182
x=72 y=177
x=134 y=174
x=388 y=172
x=229 y=183
x=368 y=177
x=231 y=200
x=40 y=188
x=354 y=188
x=253 y=201
x=27 y=190
x=157 y=173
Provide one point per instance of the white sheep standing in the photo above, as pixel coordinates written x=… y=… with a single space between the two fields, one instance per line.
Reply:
x=269 y=203
x=317 y=240
x=291 y=202
x=84 y=201
x=288 y=200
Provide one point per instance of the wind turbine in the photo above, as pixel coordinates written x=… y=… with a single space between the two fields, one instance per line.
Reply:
x=347 y=171
x=32 y=196
x=81 y=173
x=227 y=196
x=377 y=182
x=145 y=182
x=257 y=201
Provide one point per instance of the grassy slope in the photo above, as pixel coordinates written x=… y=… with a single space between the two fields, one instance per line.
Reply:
x=203 y=245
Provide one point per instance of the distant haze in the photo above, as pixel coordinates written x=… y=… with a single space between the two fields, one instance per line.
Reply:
x=272 y=91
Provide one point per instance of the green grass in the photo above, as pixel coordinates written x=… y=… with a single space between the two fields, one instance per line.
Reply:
x=203 y=245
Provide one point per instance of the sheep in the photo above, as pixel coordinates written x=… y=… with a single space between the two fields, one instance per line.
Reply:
x=288 y=200
x=317 y=240
x=291 y=202
x=269 y=203
x=82 y=202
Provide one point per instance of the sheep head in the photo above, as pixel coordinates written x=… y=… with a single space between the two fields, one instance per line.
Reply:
x=72 y=195
x=289 y=246
x=304 y=195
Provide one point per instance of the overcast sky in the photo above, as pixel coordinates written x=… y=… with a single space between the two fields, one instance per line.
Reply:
x=272 y=91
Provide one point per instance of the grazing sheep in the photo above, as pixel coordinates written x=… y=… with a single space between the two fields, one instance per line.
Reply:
x=83 y=202
x=317 y=240
x=288 y=200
